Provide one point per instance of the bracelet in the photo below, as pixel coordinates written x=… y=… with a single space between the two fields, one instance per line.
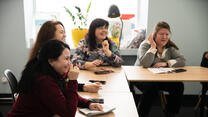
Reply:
x=67 y=79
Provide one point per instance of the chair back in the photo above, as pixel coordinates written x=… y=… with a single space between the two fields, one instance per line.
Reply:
x=12 y=82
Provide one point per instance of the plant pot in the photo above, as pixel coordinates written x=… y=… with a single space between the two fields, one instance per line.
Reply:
x=116 y=40
x=77 y=35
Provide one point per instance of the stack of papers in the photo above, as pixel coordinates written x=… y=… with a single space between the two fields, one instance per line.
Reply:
x=88 y=112
x=160 y=70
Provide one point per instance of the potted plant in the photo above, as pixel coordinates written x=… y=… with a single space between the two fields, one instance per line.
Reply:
x=80 y=22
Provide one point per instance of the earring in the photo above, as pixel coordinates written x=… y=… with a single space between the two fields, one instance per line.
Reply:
x=51 y=64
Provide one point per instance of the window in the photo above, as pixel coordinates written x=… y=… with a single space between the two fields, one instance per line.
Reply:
x=50 y=9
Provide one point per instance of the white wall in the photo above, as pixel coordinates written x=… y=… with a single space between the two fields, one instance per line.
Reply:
x=188 y=20
x=189 y=23
x=13 y=51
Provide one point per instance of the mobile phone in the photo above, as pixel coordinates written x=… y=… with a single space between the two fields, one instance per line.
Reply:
x=101 y=81
x=179 y=70
x=102 y=72
x=97 y=100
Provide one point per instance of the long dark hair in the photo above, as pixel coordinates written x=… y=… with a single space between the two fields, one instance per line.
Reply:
x=46 y=33
x=39 y=66
x=90 y=36
x=165 y=25
x=204 y=62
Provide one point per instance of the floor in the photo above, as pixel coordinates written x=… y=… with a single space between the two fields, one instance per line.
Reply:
x=187 y=109
x=184 y=112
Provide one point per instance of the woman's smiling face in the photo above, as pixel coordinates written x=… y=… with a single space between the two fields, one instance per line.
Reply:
x=101 y=32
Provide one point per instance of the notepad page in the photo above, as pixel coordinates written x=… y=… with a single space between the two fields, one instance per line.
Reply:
x=88 y=112
x=160 y=70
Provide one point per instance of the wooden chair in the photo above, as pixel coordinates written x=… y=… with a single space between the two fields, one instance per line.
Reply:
x=161 y=93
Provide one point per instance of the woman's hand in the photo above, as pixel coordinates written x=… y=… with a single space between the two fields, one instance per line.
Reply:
x=95 y=106
x=56 y=115
x=92 y=88
x=160 y=64
x=73 y=72
x=152 y=42
x=94 y=63
x=106 y=49
x=97 y=62
x=105 y=45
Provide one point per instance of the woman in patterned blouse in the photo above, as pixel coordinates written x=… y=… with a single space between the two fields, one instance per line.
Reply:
x=97 y=49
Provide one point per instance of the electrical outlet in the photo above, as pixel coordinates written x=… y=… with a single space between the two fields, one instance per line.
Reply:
x=4 y=80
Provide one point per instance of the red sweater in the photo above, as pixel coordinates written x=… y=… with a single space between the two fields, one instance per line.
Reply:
x=48 y=99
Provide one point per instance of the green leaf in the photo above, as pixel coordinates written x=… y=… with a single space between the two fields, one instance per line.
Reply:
x=78 y=8
x=70 y=14
x=88 y=8
x=79 y=18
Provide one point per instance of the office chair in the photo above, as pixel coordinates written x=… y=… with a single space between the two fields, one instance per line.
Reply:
x=12 y=83
x=161 y=94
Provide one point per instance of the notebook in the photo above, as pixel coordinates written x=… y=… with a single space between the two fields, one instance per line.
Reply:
x=160 y=70
x=88 y=112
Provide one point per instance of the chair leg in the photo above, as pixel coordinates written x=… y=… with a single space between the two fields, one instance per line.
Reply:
x=197 y=104
x=203 y=101
x=163 y=100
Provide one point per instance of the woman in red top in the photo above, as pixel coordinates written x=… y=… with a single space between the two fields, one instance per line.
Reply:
x=44 y=89
x=55 y=30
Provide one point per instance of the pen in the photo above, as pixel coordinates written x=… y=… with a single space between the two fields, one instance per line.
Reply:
x=110 y=70
x=74 y=64
x=66 y=74
x=68 y=70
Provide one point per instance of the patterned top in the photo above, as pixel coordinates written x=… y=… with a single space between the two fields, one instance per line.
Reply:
x=83 y=54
